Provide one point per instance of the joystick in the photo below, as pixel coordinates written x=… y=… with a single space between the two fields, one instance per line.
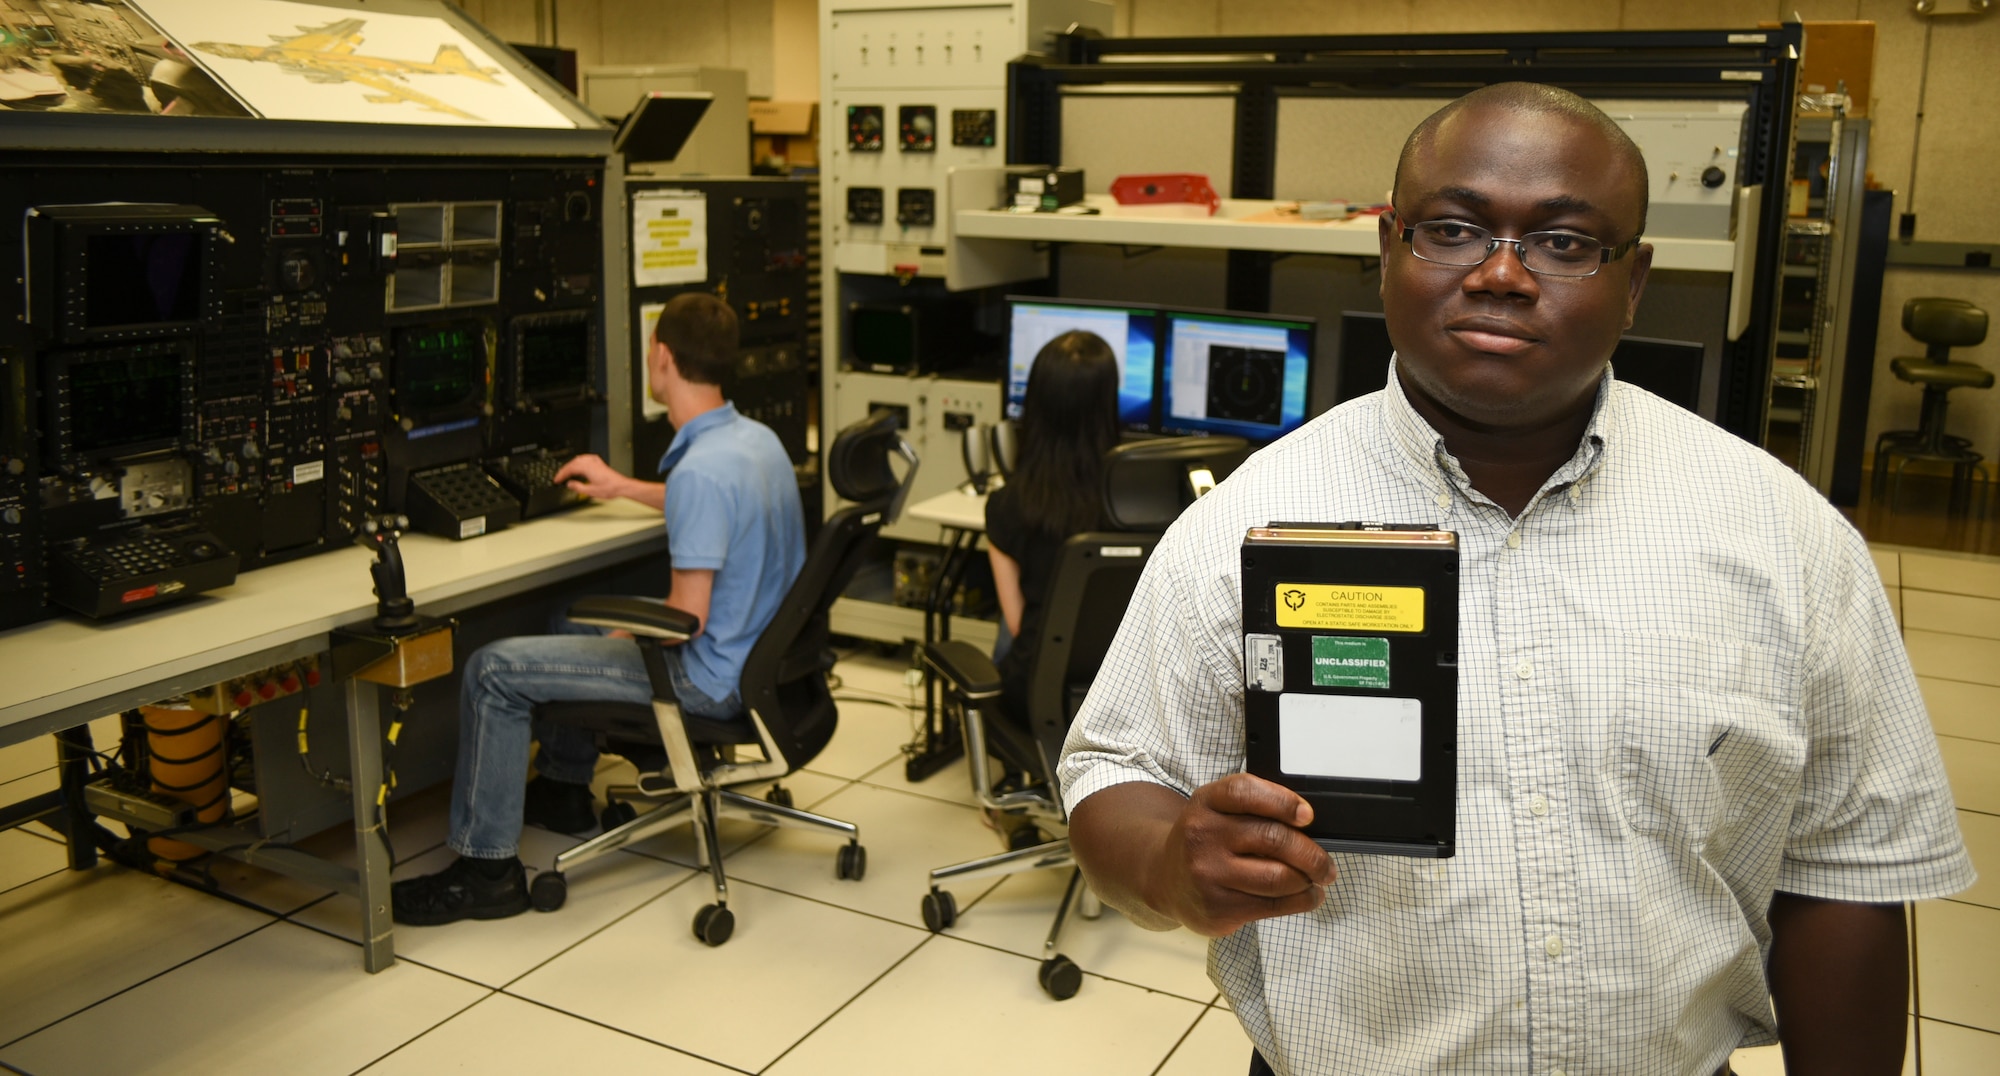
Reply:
x=395 y=613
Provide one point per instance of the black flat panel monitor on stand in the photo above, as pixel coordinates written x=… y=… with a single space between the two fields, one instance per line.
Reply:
x=1244 y=375
x=1670 y=369
x=1133 y=332
x=1364 y=355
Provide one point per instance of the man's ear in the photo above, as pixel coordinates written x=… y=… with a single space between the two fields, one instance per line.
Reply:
x=1642 y=266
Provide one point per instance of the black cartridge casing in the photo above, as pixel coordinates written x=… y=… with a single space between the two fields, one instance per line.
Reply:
x=1351 y=647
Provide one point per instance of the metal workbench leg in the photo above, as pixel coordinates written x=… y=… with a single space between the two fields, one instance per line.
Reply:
x=73 y=751
x=371 y=853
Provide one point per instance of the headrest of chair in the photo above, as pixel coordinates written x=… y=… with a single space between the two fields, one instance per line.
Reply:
x=858 y=463
x=1147 y=483
x=1944 y=322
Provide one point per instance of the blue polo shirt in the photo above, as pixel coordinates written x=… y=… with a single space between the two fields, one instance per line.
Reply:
x=732 y=508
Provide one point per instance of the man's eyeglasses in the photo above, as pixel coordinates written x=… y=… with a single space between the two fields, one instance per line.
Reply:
x=1456 y=243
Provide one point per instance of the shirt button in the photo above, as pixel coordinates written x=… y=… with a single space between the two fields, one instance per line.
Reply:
x=1514 y=539
x=1557 y=1072
x=1554 y=946
x=1525 y=671
x=1538 y=804
x=1443 y=500
x=1576 y=494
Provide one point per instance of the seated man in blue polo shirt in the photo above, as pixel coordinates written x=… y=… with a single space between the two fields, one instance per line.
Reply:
x=736 y=534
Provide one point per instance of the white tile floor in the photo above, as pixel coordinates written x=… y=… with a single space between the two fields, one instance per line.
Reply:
x=118 y=972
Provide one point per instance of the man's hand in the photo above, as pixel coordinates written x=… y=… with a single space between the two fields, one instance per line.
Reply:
x=591 y=476
x=1231 y=854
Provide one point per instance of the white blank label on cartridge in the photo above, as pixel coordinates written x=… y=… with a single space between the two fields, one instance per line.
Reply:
x=1365 y=737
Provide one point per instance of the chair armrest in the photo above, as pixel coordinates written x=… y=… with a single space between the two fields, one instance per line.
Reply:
x=645 y=617
x=970 y=673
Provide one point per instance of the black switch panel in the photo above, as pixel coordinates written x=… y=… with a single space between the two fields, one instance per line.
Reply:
x=916 y=207
x=864 y=205
x=974 y=126
x=916 y=127
x=864 y=128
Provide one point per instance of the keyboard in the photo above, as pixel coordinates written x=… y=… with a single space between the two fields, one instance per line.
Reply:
x=139 y=569
x=458 y=500
x=531 y=478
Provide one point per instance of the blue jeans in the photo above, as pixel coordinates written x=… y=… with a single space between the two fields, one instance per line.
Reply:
x=502 y=684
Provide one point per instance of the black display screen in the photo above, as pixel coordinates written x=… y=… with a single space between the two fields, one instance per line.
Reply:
x=555 y=359
x=439 y=370
x=142 y=279
x=124 y=402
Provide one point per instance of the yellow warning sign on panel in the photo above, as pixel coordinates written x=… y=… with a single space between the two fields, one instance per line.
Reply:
x=1350 y=608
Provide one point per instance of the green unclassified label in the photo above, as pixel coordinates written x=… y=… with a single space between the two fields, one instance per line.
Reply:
x=1345 y=661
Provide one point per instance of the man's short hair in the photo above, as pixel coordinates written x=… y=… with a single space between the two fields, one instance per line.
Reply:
x=1535 y=99
x=700 y=330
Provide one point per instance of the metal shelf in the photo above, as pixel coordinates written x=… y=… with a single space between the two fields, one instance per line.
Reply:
x=1238 y=225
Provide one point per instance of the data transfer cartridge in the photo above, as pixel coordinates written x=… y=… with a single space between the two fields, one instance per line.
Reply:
x=1350 y=671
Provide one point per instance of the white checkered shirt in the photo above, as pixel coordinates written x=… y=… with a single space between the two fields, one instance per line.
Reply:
x=1680 y=688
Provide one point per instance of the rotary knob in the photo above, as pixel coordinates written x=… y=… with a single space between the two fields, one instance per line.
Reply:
x=1713 y=177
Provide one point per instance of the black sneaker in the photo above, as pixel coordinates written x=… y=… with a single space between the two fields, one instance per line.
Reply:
x=559 y=807
x=460 y=891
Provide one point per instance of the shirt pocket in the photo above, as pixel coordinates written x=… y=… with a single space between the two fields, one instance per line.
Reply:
x=1708 y=735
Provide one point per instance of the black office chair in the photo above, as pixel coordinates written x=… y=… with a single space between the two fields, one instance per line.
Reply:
x=691 y=762
x=1147 y=484
x=1939 y=324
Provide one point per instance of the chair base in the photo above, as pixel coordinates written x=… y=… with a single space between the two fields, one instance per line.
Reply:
x=704 y=810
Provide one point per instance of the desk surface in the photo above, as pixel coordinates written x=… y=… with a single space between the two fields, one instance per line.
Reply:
x=957 y=508
x=66 y=671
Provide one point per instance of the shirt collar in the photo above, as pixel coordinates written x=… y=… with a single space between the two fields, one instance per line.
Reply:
x=1416 y=441
x=685 y=437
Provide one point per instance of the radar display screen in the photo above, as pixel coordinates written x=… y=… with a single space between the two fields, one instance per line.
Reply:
x=148 y=278
x=124 y=402
x=554 y=358
x=440 y=370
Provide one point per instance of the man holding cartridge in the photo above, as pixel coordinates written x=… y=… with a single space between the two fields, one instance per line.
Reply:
x=1630 y=894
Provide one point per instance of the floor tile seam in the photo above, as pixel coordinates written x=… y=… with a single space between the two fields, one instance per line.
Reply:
x=683 y=1051
x=31 y=773
x=32 y=881
x=1036 y=960
x=1908 y=628
x=1922 y=1019
x=399 y=1046
x=1956 y=680
x=857 y=996
x=1969 y=903
x=53 y=838
x=18 y=1039
x=607 y=925
x=1968 y=739
x=1975 y=810
x=1182 y=1041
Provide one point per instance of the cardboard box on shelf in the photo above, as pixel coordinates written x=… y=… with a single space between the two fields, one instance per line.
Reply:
x=787 y=130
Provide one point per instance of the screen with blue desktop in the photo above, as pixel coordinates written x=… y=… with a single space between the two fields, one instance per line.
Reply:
x=1246 y=375
x=1131 y=331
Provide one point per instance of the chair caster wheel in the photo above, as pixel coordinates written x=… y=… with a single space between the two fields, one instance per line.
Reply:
x=940 y=910
x=548 y=892
x=1025 y=836
x=853 y=862
x=714 y=924
x=617 y=814
x=1060 y=977
x=779 y=795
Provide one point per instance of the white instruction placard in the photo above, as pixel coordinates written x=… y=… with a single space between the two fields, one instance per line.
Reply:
x=669 y=238
x=1364 y=737
x=649 y=316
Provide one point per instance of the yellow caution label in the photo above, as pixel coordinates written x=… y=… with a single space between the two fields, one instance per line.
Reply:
x=1350 y=608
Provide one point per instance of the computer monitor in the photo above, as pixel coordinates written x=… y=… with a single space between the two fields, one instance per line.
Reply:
x=1132 y=331
x=1669 y=369
x=1248 y=375
x=441 y=375
x=1364 y=355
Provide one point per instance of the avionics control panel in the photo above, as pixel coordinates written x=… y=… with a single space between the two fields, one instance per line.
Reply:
x=207 y=365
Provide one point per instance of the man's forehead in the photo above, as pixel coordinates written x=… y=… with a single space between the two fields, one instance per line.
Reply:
x=1454 y=162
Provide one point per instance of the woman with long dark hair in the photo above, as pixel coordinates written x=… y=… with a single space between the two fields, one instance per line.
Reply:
x=1069 y=420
